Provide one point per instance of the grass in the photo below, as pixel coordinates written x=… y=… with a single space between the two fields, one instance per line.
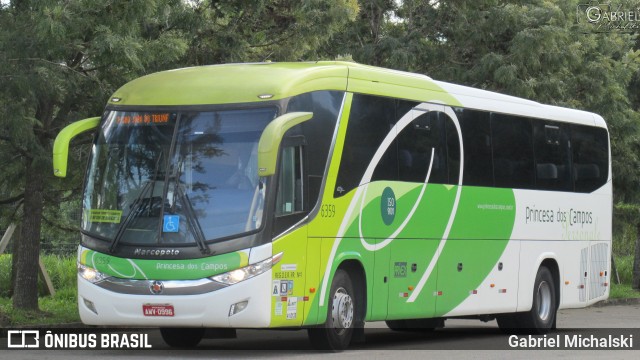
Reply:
x=59 y=309
x=624 y=265
x=623 y=291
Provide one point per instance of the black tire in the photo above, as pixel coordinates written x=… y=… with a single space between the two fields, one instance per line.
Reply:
x=396 y=325
x=336 y=333
x=541 y=318
x=508 y=323
x=182 y=338
x=415 y=325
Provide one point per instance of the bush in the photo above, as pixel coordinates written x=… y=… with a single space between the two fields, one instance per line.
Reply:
x=5 y=275
x=625 y=229
x=624 y=265
x=61 y=270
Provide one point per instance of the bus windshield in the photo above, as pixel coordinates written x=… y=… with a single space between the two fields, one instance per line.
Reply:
x=166 y=178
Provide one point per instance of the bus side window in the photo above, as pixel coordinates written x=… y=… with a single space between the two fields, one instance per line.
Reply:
x=476 y=137
x=512 y=151
x=551 y=147
x=453 y=149
x=416 y=143
x=290 y=182
x=370 y=120
x=590 y=157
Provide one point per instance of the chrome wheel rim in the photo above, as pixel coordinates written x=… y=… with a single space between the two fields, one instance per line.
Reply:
x=342 y=310
x=544 y=300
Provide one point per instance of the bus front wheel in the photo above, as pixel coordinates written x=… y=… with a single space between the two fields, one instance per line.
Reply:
x=338 y=329
x=182 y=338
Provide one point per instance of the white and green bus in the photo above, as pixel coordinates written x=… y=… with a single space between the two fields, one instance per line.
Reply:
x=325 y=195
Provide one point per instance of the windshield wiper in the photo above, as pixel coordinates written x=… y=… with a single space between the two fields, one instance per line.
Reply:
x=137 y=205
x=155 y=177
x=133 y=213
x=190 y=213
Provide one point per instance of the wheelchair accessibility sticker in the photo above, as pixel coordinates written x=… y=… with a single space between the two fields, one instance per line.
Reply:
x=171 y=224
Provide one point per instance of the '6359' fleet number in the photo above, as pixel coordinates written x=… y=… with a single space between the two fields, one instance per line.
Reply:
x=328 y=210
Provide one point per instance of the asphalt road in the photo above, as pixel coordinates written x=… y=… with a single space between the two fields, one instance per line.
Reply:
x=460 y=339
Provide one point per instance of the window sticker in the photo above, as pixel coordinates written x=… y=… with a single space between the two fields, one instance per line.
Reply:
x=171 y=224
x=103 y=216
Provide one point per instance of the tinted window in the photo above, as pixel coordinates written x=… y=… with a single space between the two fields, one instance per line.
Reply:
x=318 y=135
x=476 y=136
x=590 y=157
x=553 y=159
x=290 y=186
x=512 y=151
x=370 y=121
x=416 y=143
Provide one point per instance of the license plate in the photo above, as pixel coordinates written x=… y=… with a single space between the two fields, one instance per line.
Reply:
x=157 y=310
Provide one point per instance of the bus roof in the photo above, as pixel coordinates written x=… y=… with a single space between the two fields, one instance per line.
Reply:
x=242 y=83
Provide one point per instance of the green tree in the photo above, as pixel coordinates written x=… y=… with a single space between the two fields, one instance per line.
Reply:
x=534 y=49
x=227 y=31
x=59 y=61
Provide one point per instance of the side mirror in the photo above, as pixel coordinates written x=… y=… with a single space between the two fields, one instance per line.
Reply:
x=61 y=145
x=271 y=138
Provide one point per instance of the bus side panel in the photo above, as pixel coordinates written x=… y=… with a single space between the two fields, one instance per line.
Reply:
x=564 y=227
x=288 y=285
x=478 y=267
x=378 y=303
x=498 y=291
x=314 y=249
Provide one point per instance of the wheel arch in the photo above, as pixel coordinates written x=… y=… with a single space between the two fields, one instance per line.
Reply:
x=354 y=268
x=528 y=278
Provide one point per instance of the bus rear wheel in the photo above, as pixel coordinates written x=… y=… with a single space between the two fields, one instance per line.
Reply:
x=542 y=316
x=182 y=338
x=337 y=331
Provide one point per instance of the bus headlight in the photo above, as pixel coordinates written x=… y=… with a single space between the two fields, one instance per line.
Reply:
x=90 y=274
x=247 y=272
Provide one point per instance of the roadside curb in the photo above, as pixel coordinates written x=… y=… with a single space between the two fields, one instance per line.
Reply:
x=613 y=302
